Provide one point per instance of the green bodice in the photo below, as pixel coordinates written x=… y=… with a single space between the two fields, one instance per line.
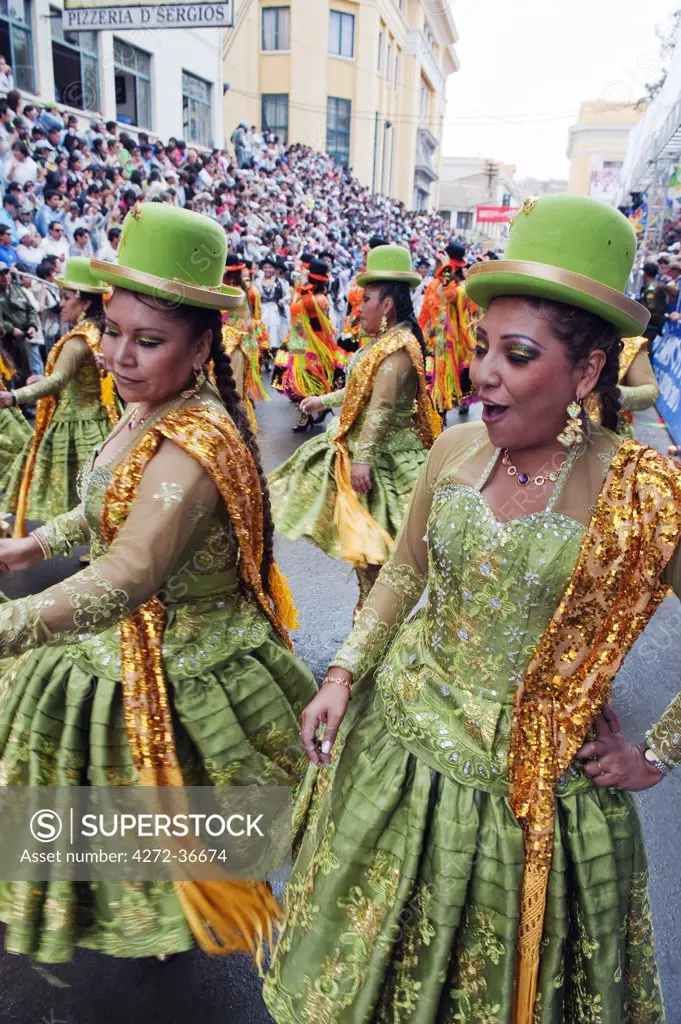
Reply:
x=450 y=677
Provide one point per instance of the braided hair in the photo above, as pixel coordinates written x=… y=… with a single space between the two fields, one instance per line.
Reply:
x=198 y=321
x=400 y=293
x=581 y=332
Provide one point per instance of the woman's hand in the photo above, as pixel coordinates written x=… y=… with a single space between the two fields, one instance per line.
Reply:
x=309 y=406
x=360 y=478
x=328 y=707
x=19 y=554
x=6 y=400
x=612 y=761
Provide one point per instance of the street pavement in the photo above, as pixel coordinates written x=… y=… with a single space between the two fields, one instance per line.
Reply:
x=94 y=989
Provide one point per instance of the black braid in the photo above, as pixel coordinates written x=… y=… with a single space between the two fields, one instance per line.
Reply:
x=224 y=378
x=95 y=309
x=198 y=321
x=581 y=332
x=404 y=309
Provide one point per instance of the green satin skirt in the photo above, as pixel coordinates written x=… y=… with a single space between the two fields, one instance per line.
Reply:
x=66 y=447
x=404 y=901
x=236 y=694
x=15 y=436
x=303 y=489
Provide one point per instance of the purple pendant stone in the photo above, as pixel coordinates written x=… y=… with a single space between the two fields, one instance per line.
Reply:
x=523 y=479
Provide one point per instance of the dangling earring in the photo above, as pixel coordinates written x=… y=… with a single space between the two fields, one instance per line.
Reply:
x=574 y=431
x=81 y=317
x=383 y=326
x=199 y=381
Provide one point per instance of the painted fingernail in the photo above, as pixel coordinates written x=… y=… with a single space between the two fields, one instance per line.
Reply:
x=326 y=746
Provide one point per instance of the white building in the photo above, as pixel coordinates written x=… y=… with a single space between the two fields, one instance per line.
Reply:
x=166 y=82
x=469 y=182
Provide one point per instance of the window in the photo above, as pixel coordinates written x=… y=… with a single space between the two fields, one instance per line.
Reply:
x=464 y=220
x=275 y=114
x=74 y=61
x=397 y=69
x=425 y=100
x=276 y=28
x=339 y=114
x=389 y=62
x=132 y=68
x=342 y=34
x=197 y=112
x=380 y=51
x=16 y=42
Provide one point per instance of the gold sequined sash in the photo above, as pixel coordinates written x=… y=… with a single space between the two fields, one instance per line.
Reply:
x=227 y=916
x=615 y=588
x=362 y=540
x=46 y=408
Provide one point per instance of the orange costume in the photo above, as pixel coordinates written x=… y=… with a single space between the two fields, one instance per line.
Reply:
x=445 y=318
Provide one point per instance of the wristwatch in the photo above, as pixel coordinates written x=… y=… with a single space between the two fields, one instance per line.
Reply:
x=653 y=760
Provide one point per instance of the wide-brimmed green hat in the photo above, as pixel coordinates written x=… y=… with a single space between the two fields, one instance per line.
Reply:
x=79 y=278
x=570 y=249
x=172 y=254
x=388 y=263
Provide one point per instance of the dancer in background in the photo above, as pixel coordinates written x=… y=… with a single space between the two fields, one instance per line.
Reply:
x=445 y=320
x=255 y=306
x=178 y=485
x=76 y=406
x=473 y=850
x=347 y=490
x=272 y=305
x=241 y=319
x=312 y=352
x=351 y=337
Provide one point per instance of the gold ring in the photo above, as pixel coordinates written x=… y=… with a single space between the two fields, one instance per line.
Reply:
x=600 y=766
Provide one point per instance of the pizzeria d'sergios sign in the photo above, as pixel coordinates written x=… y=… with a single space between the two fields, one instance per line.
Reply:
x=102 y=14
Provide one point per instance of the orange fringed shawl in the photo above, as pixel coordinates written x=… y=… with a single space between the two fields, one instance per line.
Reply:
x=615 y=588
x=46 y=408
x=362 y=540
x=227 y=916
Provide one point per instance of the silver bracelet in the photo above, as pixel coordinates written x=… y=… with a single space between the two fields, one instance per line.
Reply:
x=42 y=544
x=651 y=758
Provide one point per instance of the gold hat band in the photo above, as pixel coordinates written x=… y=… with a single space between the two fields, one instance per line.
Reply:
x=567 y=279
x=213 y=297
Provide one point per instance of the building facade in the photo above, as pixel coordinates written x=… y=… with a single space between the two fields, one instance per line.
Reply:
x=166 y=82
x=470 y=182
x=362 y=79
x=597 y=147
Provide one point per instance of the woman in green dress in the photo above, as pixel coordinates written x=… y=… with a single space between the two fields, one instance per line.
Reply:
x=167 y=661
x=76 y=406
x=347 y=490
x=473 y=851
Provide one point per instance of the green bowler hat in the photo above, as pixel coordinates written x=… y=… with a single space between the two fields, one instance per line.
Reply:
x=79 y=278
x=172 y=254
x=570 y=249
x=388 y=263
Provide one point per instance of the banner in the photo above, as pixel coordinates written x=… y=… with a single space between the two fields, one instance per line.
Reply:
x=666 y=359
x=154 y=14
x=496 y=214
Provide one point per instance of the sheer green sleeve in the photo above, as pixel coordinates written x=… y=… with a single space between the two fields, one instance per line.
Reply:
x=72 y=357
x=63 y=534
x=334 y=399
x=145 y=557
x=396 y=592
x=393 y=375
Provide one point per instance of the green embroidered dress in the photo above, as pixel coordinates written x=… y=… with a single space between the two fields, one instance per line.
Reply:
x=15 y=436
x=236 y=691
x=79 y=425
x=404 y=901
x=384 y=436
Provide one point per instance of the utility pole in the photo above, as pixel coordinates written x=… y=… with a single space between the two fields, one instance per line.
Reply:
x=491 y=172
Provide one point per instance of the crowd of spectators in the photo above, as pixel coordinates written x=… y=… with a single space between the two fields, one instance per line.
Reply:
x=66 y=191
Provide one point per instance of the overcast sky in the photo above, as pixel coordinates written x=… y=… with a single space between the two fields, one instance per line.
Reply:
x=526 y=65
